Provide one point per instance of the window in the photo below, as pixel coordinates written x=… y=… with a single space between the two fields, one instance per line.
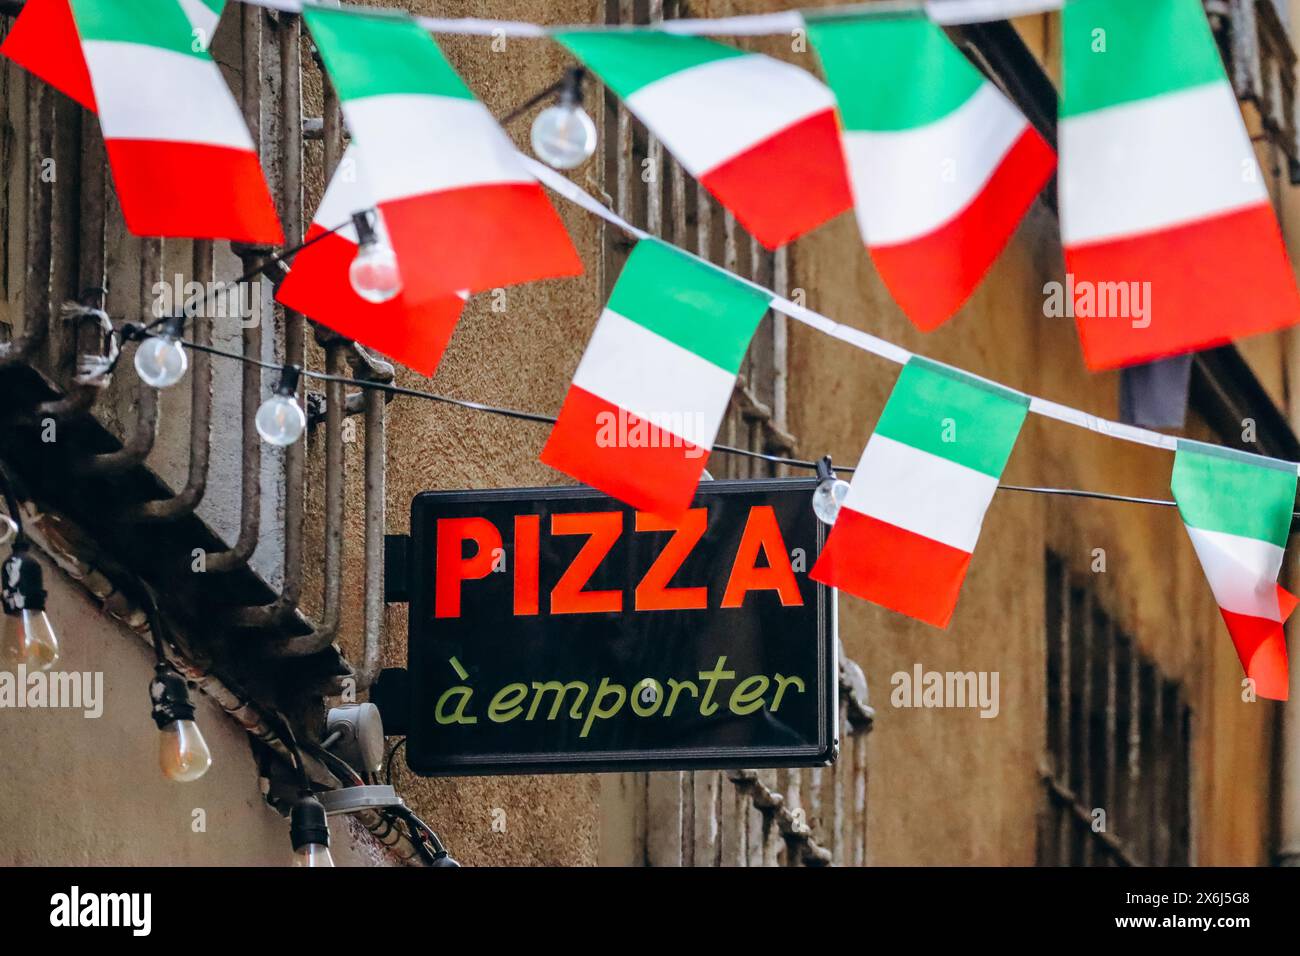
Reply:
x=1118 y=741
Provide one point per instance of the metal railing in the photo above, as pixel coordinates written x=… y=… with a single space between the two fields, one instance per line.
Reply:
x=179 y=481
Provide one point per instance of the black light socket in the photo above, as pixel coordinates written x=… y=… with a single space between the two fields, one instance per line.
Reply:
x=824 y=469
x=365 y=227
x=571 y=86
x=290 y=376
x=170 y=696
x=174 y=326
x=22 y=582
x=307 y=823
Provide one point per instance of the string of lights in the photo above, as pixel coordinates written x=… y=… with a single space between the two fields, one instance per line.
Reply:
x=283 y=423
x=161 y=359
x=375 y=277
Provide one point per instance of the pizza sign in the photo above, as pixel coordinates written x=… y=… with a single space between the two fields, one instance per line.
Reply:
x=559 y=630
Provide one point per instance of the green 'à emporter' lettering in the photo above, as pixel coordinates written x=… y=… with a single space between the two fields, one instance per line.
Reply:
x=715 y=691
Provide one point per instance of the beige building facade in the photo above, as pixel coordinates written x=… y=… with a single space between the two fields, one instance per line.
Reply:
x=1118 y=686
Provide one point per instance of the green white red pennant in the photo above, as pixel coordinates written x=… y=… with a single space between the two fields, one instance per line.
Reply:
x=44 y=42
x=1237 y=510
x=182 y=159
x=1159 y=184
x=943 y=166
x=407 y=329
x=650 y=392
x=447 y=178
x=759 y=134
x=905 y=533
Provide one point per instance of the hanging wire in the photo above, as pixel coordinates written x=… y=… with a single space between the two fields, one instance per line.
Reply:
x=137 y=332
x=520 y=415
x=16 y=535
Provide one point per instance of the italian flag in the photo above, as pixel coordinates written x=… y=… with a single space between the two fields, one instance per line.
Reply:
x=652 y=387
x=44 y=41
x=183 y=162
x=1159 y=184
x=943 y=165
x=906 y=531
x=758 y=134
x=412 y=331
x=446 y=177
x=1237 y=510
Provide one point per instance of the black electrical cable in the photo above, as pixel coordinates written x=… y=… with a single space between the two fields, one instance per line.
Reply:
x=340 y=767
x=388 y=762
x=291 y=742
x=11 y=505
x=155 y=620
x=521 y=415
x=249 y=276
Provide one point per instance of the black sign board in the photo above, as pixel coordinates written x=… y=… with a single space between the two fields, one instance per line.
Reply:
x=558 y=630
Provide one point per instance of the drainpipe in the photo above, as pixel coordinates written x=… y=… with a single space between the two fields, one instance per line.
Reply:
x=1288 y=836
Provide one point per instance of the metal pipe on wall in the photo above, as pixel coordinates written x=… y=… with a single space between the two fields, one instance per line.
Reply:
x=141 y=439
x=40 y=133
x=284 y=608
x=92 y=282
x=196 y=483
x=250 y=495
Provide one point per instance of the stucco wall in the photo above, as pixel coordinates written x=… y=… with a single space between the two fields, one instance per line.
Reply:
x=78 y=791
x=946 y=787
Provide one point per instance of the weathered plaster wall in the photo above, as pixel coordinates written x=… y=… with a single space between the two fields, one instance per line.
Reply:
x=80 y=791
x=946 y=786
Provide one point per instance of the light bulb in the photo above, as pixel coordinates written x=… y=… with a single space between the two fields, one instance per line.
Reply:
x=828 y=497
x=564 y=136
x=373 y=273
x=28 y=640
x=183 y=754
x=312 y=854
x=160 y=361
x=281 y=420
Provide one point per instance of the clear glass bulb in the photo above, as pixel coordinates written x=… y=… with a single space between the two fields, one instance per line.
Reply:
x=312 y=854
x=28 y=639
x=161 y=361
x=374 y=274
x=827 y=499
x=281 y=420
x=564 y=136
x=183 y=754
